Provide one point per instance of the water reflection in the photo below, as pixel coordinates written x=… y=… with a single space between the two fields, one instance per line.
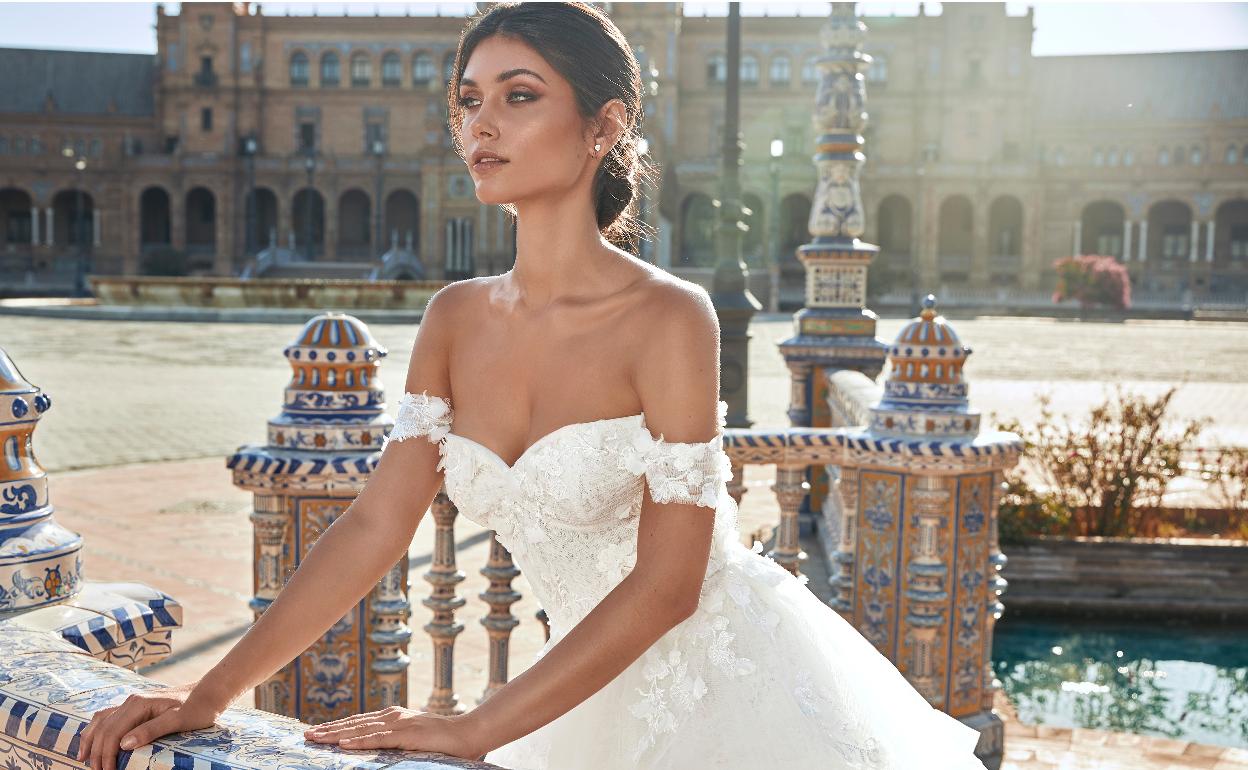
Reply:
x=1178 y=682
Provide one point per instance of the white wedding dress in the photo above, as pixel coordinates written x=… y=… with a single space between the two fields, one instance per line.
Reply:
x=763 y=674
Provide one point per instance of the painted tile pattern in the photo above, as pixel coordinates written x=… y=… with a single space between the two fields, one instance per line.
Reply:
x=49 y=690
x=917 y=558
x=319 y=453
x=40 y=563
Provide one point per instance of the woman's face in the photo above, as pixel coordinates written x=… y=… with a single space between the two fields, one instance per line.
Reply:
x=516 y=106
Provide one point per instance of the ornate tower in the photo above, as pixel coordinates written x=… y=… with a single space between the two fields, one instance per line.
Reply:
x=834 y=330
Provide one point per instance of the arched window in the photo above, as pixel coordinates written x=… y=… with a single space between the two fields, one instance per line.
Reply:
x=391 y=69
x=810 y=72
x=1163 y=157
x=1128 y=157
x=422 y=68
x=1059 y=157
x=1196 y=156
x=780 y=68
x=1111 y=158
x=716 y=68
x=299 y=69
x=1232 y=154
x=749 y=69
x=331 y=69
x=361 y=71
x=1098 y=158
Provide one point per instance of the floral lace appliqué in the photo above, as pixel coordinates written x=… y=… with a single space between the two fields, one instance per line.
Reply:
x=682 y=472
x=421 y=414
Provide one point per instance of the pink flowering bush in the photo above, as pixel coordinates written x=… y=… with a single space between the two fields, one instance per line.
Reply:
x=1091 y=280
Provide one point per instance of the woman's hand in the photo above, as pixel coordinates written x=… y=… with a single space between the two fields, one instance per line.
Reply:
x=400 y=728
x=139 y=720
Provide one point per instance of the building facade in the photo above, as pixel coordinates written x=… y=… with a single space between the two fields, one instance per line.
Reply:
x=327 y=135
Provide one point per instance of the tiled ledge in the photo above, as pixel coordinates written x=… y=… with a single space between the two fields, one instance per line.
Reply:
x=49 y=689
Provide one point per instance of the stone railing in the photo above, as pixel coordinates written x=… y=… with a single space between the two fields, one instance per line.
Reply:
x=213 y=292
x=49 y=689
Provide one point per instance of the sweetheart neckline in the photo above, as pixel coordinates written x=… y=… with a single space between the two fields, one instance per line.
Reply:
x=511 y=468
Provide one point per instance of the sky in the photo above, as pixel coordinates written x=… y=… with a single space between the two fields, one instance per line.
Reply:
x=1062 y=28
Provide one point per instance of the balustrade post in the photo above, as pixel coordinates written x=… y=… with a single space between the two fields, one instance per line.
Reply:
x=790 y=489
x=500 y=570
x=843 y=559
x=443 y=575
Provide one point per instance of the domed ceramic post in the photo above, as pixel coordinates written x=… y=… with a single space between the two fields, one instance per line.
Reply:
x=918 y=558
x=500 y=570
x=40 y=561
x=443 y=575
x=321 y=450
x=834 y=330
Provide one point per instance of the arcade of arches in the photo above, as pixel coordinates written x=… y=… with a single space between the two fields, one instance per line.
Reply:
x=1168 y=245
x=69 y=220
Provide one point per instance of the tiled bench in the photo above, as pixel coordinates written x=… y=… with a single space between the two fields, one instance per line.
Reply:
x=49 y=688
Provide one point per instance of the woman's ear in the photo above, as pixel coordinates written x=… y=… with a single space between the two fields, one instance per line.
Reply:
x=609 y=124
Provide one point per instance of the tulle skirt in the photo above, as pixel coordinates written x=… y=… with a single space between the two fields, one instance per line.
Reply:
x=762 y=675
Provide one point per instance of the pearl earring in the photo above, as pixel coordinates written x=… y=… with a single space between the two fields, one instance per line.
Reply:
x=597 y=147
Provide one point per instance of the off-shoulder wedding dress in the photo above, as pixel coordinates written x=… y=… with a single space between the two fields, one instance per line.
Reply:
x=763 y=674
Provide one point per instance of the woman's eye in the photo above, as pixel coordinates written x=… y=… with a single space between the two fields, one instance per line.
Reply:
x=464 y=100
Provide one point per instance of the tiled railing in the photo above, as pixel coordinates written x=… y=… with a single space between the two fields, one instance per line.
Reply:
x=49 y=689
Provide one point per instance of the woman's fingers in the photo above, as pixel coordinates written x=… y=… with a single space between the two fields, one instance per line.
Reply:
x=378 y=739
x=369 y=716
x=84 y=738
x=354 y=730
x=133 y=711
x=150 y=730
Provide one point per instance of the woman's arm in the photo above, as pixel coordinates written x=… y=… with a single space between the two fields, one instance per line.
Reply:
x=678 y=382
x=371 y=535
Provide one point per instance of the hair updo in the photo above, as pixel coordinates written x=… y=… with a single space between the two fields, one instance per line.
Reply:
x=584 y=46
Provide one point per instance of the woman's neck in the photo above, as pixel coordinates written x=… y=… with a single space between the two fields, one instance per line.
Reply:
x=559 y=254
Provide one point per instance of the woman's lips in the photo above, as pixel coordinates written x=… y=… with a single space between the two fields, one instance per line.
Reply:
x=486 y=166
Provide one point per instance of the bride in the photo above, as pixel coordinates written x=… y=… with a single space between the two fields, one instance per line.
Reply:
x=582 y=390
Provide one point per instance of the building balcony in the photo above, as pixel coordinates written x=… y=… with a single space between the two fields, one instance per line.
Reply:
x=206 y=79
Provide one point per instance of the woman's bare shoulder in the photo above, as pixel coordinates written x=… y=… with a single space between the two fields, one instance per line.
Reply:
x=454 y=303
x=667 y=300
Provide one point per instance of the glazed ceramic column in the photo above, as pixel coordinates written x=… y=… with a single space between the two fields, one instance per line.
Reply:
x=41 y=567
x=321 y=450
x=918 y=560
x=834 y=330
x=40 y=561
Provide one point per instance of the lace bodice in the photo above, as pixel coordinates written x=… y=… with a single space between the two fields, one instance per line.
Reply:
x=567 y=508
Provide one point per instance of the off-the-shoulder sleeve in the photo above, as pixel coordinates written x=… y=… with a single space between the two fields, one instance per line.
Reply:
x=682 y=472
x=421 y=414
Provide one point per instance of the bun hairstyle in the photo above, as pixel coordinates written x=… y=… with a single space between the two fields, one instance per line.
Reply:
x=584 y=46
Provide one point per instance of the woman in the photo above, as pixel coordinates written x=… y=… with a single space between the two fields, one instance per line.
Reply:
x=672 y=645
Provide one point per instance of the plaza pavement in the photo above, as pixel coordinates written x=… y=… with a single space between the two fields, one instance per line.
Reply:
x=144 y=414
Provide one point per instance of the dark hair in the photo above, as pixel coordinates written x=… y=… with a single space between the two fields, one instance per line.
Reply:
x=584 y=46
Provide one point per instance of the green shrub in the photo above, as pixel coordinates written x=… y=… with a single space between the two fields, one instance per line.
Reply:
x=1098 y=478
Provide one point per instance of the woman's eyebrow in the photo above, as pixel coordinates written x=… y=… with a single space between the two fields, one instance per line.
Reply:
x=505 y=75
